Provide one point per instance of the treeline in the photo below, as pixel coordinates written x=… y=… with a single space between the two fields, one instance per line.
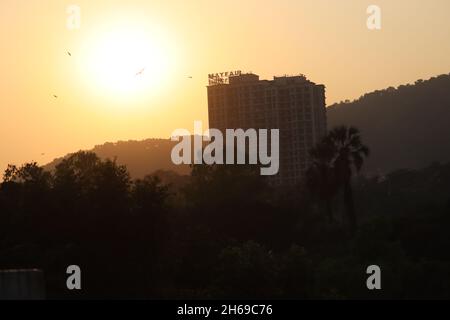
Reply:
x=223 y=232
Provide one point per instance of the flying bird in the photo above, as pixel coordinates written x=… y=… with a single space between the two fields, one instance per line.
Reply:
x=55 y=96
x=140 y=72
x=190 y=77
x=69 y=53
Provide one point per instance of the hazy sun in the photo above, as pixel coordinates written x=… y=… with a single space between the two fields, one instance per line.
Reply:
x=127 y=60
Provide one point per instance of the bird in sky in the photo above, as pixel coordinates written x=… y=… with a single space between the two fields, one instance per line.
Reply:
x=140 y=72
x=190 y=77
x=69 y=53
x=55 y=96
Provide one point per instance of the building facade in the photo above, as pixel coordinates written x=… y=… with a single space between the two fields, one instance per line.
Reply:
x=292 y=104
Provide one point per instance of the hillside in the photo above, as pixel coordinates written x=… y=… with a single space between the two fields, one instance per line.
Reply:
x=141 y=157
x=405 y=127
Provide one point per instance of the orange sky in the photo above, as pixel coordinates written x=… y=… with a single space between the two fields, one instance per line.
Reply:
x=326 y=40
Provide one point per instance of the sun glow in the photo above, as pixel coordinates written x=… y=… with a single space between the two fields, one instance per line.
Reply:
x=127 y=61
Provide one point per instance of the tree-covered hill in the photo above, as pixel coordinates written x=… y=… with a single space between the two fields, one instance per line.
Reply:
x=405 y=127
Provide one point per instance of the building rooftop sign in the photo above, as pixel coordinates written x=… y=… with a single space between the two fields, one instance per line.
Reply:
x=222 y=77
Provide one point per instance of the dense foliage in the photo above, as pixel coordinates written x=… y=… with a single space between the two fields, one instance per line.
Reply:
x=223 y=232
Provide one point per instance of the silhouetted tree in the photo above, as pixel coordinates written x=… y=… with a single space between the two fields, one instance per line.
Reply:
x=350 y=154
x=28 y=174
x=333 y=161
x=321 y=178
x=233 y=200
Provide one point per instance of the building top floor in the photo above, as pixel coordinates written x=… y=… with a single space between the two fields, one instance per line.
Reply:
x=243 y=79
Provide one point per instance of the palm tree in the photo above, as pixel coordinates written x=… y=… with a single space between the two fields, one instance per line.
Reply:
x=320 y=176
x=350 y=154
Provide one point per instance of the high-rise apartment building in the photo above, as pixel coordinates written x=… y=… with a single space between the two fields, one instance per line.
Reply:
x=292 y=104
